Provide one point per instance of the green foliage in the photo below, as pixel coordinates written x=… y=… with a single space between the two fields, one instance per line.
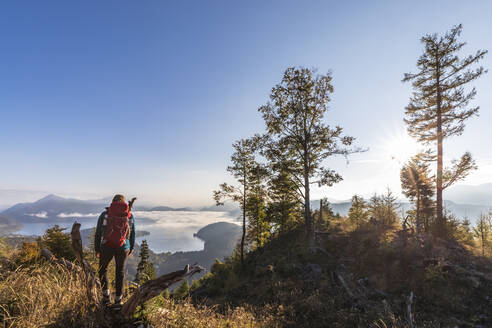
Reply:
x=483 y=232
x=58 y=242
x=358 y=211
x=145 y=268
x=166 y=294
x=258 y=228
x=182 y=291
x=297 y=137
x=382 y=208
x=283 y=211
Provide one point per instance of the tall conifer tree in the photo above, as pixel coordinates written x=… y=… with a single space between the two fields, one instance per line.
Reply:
x=439 y=105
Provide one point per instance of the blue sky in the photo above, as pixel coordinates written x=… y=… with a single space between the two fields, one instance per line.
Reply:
x=146 y=97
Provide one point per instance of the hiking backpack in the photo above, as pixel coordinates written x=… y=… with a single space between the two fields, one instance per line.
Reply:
x=117 y=224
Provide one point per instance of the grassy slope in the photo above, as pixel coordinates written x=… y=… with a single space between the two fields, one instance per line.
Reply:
x=358 y=278
x=34 y=293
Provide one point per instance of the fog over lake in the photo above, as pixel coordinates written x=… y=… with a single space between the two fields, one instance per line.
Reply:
x=170 y=231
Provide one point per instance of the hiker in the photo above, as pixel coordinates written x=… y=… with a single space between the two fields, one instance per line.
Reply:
x=115 y=237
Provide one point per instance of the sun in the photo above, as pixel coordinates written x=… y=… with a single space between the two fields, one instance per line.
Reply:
x=399 y=147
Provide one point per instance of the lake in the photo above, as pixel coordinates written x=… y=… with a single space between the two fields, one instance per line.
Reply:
x=170 y=231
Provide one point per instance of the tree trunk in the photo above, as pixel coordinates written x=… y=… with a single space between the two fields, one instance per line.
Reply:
x=307 y=212
x=93 y=284
x=439 y=215
x=417 y=215
x=244 y=219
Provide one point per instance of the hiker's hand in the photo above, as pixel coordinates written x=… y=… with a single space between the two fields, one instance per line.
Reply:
x=98 y=254
x=131 y=250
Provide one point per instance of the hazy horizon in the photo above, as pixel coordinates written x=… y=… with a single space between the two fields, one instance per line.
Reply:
x=19 y=196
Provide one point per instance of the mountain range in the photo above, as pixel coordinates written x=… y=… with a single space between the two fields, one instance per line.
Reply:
x=469 y=211
x=56 y=208
x=462 y=200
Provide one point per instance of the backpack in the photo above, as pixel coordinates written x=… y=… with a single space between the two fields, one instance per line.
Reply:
x=117 y=224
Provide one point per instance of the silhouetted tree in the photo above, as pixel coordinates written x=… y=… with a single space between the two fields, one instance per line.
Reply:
x=417 y=186
x=358 y=210
x=243 y=160
x=284 y=206
x=297 y=135
x=439 y=105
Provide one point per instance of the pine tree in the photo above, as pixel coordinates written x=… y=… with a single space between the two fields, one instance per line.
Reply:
x=183 y=290
x=418 y=187
x=482 y=232
x=383 y=208
x=439 y=105
x=145 y=268
x=298 y=136
x=58 y=242
x=243 y=160
x=358 y=210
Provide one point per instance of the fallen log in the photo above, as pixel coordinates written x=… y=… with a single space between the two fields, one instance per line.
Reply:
x=46 y=253
x=339 y=277
x=152 y=288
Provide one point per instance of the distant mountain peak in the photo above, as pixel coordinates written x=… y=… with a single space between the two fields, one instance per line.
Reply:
x=50 y=197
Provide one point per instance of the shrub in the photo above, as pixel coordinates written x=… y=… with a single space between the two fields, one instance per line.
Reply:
x=58 y=242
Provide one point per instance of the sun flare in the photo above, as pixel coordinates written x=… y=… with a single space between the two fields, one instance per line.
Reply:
x=400 y=147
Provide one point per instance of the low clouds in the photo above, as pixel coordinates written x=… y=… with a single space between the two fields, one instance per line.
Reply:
x=77 y=215
x=42 y=215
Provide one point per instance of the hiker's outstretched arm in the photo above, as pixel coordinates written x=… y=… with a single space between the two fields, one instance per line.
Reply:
x=97 y=237
x=132 y=234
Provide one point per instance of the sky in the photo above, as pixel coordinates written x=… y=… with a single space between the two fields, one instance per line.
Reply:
x=146 y=98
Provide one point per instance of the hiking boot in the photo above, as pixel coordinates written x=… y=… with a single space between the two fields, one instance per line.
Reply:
x=106 y=299
x=117 y=300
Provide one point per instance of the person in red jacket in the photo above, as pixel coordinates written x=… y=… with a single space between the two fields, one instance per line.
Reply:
x=115 y=237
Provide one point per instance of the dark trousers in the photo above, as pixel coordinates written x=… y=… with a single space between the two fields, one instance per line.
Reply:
x=120 y=256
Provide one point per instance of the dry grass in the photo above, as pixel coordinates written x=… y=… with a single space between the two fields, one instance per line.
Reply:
x=184 y=314
x=44 y=295
x=39 y=294
x=47 y=295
